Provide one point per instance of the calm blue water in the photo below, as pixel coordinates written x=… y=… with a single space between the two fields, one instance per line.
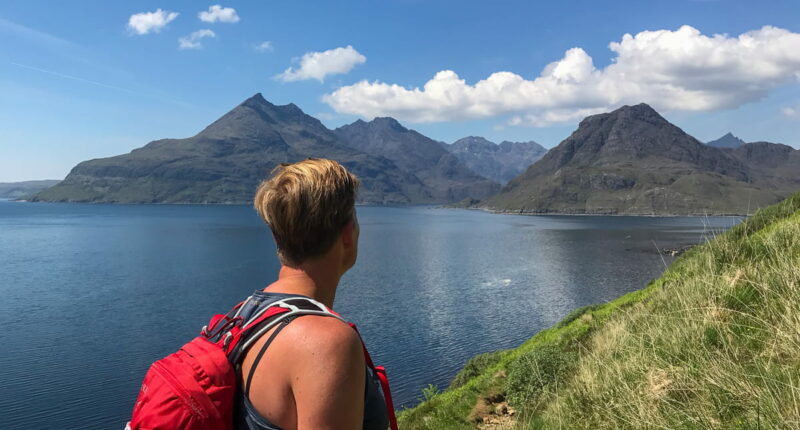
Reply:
x=90 y=295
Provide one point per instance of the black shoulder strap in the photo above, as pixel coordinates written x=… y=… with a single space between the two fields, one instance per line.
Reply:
x=252 y=371
x=297 y=306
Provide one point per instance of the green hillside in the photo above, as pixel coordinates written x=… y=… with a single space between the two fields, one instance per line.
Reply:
x=713 y=343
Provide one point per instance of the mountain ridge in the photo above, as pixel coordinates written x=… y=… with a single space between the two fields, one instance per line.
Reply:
x=633 y=161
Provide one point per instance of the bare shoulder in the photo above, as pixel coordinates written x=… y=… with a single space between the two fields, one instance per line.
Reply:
x=313 y=333
x=325 y=373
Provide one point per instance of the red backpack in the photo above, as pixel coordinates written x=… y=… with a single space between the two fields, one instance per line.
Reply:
x=195 y=388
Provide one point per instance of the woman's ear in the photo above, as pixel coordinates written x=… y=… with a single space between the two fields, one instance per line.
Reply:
x=348 y=236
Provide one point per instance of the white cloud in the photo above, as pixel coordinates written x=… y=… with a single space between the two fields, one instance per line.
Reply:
x=264 y=47
x=318 y=65
x=553 y=116
x=150 y=22
x=680 y=70
x=791 y=112
x=218 y=13
x=194 y=40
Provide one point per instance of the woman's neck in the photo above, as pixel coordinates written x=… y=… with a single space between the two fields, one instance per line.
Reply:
x=311 y=280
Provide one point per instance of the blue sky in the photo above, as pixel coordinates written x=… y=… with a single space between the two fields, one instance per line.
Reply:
x=78 y=82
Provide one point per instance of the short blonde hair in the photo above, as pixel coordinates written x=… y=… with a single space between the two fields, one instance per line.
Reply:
x=306 y=205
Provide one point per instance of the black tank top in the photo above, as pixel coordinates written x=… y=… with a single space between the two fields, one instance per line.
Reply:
x=247 y=418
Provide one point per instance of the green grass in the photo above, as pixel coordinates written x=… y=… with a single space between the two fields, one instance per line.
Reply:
x=713 y=343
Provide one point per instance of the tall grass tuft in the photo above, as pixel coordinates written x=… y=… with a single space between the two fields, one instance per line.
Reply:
x=716 y=345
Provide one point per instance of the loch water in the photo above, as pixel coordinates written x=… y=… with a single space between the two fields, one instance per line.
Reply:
x=90 y=295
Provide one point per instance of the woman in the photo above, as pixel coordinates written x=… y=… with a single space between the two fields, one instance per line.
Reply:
x=310 y=374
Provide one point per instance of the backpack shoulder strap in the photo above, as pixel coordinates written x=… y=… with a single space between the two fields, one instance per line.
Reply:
x=282 y=312
x=241 y=339
x=266 y=345
x=380 y=372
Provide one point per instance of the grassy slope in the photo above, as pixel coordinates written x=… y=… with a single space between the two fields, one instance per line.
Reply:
x=713 y=343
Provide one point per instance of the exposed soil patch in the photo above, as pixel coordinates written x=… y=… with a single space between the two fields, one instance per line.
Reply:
x=492 y=412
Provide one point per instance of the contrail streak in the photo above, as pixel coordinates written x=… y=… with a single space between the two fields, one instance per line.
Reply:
x=74 y=78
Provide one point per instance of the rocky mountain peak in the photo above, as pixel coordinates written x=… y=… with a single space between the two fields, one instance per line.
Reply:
x=259 y=103
x=628 y=133
x=256 y=119
x=640 y=113
x=474 y=139
x=727 y=141
x=387 y=123
x=473 y=144
x=641 y=110
x=256 y=99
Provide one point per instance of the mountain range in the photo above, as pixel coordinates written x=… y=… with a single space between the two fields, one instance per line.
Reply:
x=629 y=161
x=442 y=173
x=633 y=161
x=225 y=162
x=499 y=162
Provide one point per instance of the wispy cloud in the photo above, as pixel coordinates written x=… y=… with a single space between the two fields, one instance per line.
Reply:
x=792 y=112
x=150 y=95
x=318 y=65
x=217 y=13
x=67 y=51
x=194 y=40
x=34 y=35
x=264 y=46
x=150 y=22
x=78 y=56
x=74 y=78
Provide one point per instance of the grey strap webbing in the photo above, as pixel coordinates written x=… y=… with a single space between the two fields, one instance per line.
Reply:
x=252 y=371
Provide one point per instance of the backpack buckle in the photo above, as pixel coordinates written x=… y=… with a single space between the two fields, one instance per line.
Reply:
x=218 y=329
x=227 y=340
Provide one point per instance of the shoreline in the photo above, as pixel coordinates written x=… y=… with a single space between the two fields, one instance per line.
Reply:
x=424 y=205
x=591 y=214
